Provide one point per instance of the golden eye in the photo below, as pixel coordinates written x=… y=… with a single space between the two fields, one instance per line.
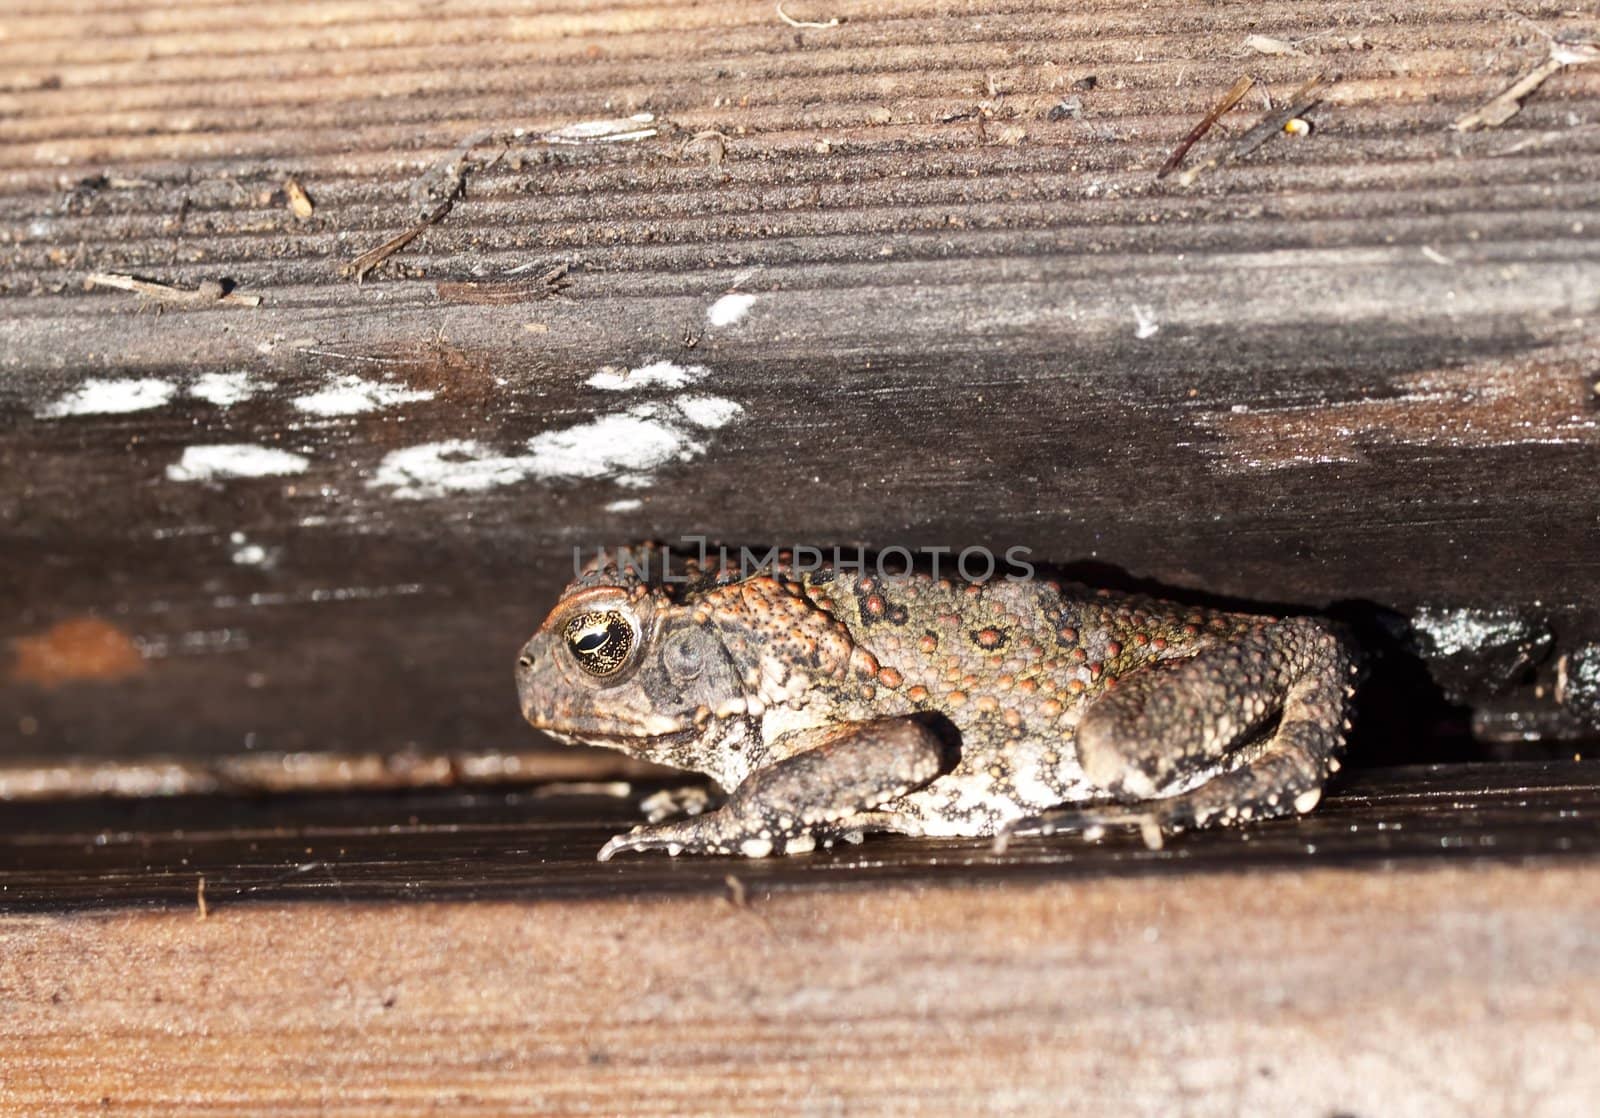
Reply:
x=600 y=642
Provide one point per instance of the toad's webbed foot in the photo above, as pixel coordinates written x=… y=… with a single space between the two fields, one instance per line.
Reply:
x=815 y=795
x=689 y=799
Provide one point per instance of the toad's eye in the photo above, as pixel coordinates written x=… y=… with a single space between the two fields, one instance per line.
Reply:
x=600 y=642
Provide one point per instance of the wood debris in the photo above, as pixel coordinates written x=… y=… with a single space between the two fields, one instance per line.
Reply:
x=438 y=189
x=363 y=265
x=792 y=22
x=209 y=291
x=545 y=286
x=1229 y=99
x=1509 y=103
x=639 y=126
x=1266 y=44
x=445 y=181
x=434 y=194
x=1270 y=125
x=299 y=201
x=713 y=143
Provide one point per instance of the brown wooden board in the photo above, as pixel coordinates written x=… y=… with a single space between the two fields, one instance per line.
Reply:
x=1423 y=945
x=1352 y=367
x=538 y=843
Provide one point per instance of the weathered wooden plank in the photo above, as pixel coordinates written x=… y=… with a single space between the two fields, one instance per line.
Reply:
x=1353 y=366
x=1413 y=993
x=539 y=844
x=1425 y=945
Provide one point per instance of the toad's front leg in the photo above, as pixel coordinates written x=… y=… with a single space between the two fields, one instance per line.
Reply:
x=814 y=794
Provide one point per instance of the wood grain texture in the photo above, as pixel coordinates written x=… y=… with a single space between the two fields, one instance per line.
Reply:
x=539 y=844
x=1357 y=366
x=1424 y=946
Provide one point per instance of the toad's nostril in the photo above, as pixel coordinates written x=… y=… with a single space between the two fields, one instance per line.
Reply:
x=525 y=662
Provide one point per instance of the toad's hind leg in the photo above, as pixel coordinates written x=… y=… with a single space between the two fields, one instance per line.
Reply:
x=1167 y=724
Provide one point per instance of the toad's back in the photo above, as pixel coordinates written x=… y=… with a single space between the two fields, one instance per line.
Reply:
x=1013 y=663
x=1035 y=649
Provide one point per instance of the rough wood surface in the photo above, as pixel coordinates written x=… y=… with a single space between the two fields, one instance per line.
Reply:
x=1356 y=365
x=539 y=844
x=1424 y=946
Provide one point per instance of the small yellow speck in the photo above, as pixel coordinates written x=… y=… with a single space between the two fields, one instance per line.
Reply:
x=299 y=201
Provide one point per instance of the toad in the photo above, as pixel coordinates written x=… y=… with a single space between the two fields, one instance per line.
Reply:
x=834 y=700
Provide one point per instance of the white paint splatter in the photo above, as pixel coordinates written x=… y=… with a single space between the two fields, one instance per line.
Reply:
x=630 y=442
x=611 y=131
x=225 y=389
x=352 y=395
x=451 y=466
x=209 y=463
x=709 y=411
x=730 y=309
x=111 y=397
x=1144 y=322
x=627 y=504
x=622 y=447
x=656 y=374
x=247 y=554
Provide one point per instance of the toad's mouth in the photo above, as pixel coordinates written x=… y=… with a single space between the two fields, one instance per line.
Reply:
x=620 y=739
x=591 y=728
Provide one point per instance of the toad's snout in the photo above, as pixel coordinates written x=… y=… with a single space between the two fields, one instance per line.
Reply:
x=533 y=690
